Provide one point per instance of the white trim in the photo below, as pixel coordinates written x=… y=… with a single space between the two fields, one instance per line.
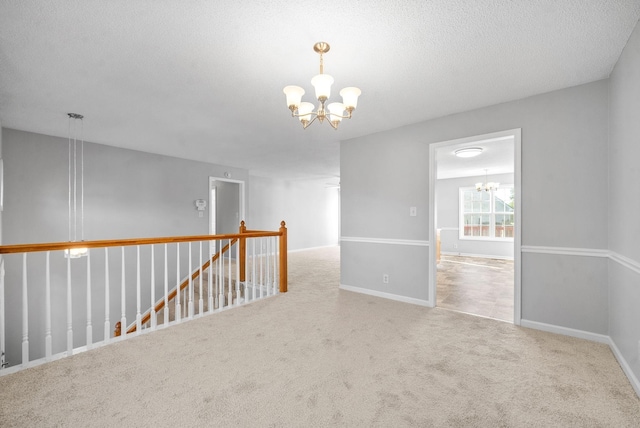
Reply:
x=583 y=252
x=625 y=366
x=313 y=248
x=516 y=134
x=385 y=241
x=480 y=256
x=389 y=296
x=626 y=262
x=241 y=208
x=565 y=331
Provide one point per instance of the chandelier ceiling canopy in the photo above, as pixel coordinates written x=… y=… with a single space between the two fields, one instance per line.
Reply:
x=334 y=112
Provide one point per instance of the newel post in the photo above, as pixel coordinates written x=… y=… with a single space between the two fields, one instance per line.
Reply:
x=243 y=251
x=283 y=257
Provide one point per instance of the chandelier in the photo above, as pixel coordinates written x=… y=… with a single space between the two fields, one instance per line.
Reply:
x=334 y=112
x=487 y=186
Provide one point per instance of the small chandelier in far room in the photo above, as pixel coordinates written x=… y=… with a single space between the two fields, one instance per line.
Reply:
x=322 y=84
x=487 y=185
x=74 y=253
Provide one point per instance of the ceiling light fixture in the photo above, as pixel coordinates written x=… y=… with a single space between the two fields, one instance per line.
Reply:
x=487 y=185
x=74 y=253
x=468 y=152
x=322 y=84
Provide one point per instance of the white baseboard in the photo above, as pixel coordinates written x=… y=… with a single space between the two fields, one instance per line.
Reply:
x=389 y=296
x=595 y=337
x=482 y=256
x=313 y=248
x=625 y=366
x=566 y=331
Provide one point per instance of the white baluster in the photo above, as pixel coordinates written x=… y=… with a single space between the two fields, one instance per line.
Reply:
x=138 y=314
x=267 y=263
x=200 y=301
x=154 y=321
x=123 y=301
x=253 y=270
x=107 y=322
x=69 y=311
x=220 y=279
x=89 y=324
x=210 y=281
x=238 y=299
x=2 y=314
x=261 y=240
x=190 y=278
x=230 y=282
x=47 y=303
x=274 y=244
x=25 y=313
x=178 y=314
x=166 y=287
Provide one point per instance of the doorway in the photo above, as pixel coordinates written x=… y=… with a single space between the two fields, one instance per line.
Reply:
x=475 y=225
x=226 y=206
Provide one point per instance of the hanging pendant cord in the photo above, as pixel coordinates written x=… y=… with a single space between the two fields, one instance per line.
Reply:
x=82 y=179
x=75 y=183
x=69 y=179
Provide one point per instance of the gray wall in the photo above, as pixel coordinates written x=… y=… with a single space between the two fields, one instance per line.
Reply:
x=624 y=204
x=310 y=209
x=564 y=146
x=448 y=217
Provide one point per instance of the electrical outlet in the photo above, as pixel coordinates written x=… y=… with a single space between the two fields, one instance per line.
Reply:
x=413 y=211
x=385 y=278
x=455 y=246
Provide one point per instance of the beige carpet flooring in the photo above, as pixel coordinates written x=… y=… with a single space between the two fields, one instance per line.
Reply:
x=319 y=356
x=476 y=285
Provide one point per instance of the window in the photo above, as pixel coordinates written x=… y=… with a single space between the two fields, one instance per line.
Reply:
x=486 y=215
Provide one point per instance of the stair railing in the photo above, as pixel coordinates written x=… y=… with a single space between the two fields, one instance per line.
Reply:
x=39 y=288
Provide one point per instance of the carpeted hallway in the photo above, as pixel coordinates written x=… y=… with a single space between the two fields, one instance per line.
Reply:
x=319 y=356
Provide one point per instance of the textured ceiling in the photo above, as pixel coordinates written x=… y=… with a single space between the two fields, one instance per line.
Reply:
x=203 y=79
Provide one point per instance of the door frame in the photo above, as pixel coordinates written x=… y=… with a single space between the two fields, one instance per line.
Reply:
x=241 y=208
x=517 y=238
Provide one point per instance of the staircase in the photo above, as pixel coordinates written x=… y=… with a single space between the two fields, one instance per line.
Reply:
x=98 y=293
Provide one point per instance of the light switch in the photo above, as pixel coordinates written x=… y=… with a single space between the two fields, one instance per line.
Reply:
x=413 y=211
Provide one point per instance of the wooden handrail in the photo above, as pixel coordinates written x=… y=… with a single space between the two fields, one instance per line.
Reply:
x=59 y=246
x=147 y=315
x=233 y=238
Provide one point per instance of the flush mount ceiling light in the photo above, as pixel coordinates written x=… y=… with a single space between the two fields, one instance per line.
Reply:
x=468 y=152
x=322 y=84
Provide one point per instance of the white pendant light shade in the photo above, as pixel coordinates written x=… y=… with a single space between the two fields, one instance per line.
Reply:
x=322 y=83
x=350 y=97
x=304 y=110
x=335 y=111
x=294 y=96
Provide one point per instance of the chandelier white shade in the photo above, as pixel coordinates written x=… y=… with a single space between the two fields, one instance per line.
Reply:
x=322 y=85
